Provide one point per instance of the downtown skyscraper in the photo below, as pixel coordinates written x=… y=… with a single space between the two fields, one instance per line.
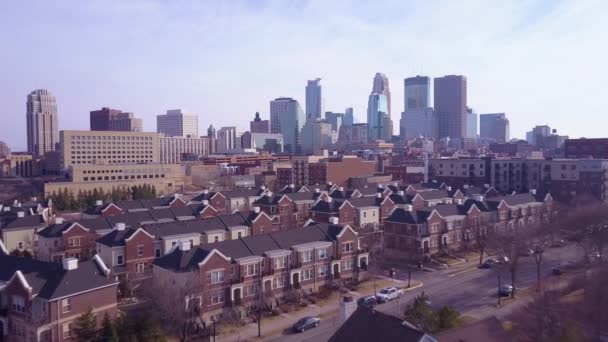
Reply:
x=42 y=129
x=418 y=118
x=380 y=125
x=450 y=94
x=314 y=99
x=175 y=123
x=287 y=118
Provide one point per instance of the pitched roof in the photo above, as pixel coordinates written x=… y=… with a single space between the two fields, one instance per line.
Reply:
x=27 y=222
x=445 y=209
x=50 y=281
x=326 y=207
x=55 y=230
x=183 y=261
x=371 y=325
x=433 y=194
x=517 y=199
x=116 y=237
x=401 y=215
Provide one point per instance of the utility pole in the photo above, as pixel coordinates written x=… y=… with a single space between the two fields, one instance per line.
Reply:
x=499 y=289
x=409 y=275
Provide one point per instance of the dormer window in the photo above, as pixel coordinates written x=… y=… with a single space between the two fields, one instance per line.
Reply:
x=18 y=304
x=347 y=247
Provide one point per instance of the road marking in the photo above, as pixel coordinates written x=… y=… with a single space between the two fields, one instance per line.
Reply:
x=461 y=272
x=413 y=287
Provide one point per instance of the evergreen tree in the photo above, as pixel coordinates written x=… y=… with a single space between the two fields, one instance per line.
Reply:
x=108 y=331
x=421 y=314
x=153 y=191
x=85 y=329
x=448 y=317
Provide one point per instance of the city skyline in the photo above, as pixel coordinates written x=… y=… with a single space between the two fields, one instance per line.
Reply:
x=204 y=79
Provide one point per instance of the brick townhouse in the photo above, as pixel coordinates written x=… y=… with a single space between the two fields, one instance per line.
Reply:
x=215 y=199
x=287 y=210
x=444 y=228
x=63 y=239
x=39 y=301
x=241 y=274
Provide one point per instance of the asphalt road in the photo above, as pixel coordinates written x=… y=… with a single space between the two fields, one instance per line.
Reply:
x=466 y=287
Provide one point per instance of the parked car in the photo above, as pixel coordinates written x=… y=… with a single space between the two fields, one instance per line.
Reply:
x=526 y=252
x=488 y=263
x=559 y=243
x=502 y=260
x=505 y=290
x=387 y=294
x=367 y=301
x=556 y=271
x=306 y=323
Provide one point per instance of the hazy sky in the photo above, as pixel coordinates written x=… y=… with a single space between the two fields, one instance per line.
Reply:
x=539 y=61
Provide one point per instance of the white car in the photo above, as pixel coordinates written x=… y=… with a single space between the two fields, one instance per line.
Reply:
x=387 y=294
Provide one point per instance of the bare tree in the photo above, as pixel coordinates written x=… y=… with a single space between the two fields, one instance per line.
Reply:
x=178 y=298
x=543 y=319
x=512 y=242
x=482 y=233
x=588 y=226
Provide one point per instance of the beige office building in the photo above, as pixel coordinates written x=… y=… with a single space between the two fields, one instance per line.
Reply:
x=172 y=149
x=107 y=147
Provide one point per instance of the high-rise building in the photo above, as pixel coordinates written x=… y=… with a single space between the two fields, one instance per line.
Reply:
x=314 y=99
x=287 y=118
x=316 y=135
x=349 y=120
x=471 y=127
x=416 y=92
x=108 y=119
x=211 y=137
x=227 y=139
x=378 y=120
x=381 y=87
x=417 y=123
x=450 y=93
x=258 y=125
x=536 y=135
x=4 y=150
x=176 y=123
x=494 y=126
x=177 y=149
x=335 y=119
x=42 y=129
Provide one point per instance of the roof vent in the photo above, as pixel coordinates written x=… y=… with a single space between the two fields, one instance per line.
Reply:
x=466 y=186
x=334 y=220
x=70 y=264
x=479 y=198
x=263 y=187
x=341 y=188
x=379 y=195
x=533 y=191
x=205 y=202
x=59 y=220
x=256 y=210
x=292 y=186
x=330 y=183
x=184 y=246
x=206 y=191
x=317 y=190
x=379 y=186
x=99 y=203
x=449 y=188
x=21 y=214
x=408 y=207
x=120 y=226
x=401 y=193
x=396 y=184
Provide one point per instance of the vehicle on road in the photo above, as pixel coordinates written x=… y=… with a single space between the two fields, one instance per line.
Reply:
x=505 y=290
x=489 y=263
x=306 y=323
x=387 y=294
x=526 y=252
x=502 y=260
x=367 y=301
x=559 y=243
x=556 y=271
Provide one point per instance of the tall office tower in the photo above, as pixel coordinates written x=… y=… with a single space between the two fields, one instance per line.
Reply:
x=381 y=87
x=378 y=121
x=108 y=119
x=211 y=132
x=175 y=123
x=451 y=105
x=42 y=130
x=349 y=120
x=314 y=100
x=226 y=139
x=495 y=127
x=211 y=137
x=416 y=92
x=316 y=135
x=4 y=150
x=287 y=118
x=471 y=126
x=335 y=119
x=258 y=125
x=417 y=123
x=537 y=134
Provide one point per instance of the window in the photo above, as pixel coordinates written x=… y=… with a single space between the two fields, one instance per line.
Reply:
x=323 y=270
x=216 y=238
x=157 y=252
x=18 y=304
x=250 y=290
x=66 y=305
x=67 y=330
x=140 y=250
x=239 y=235
x=120 y=260
x=322 y=253
x=140 y=268
x=347 y=264
x=434 y=228
x=279 y=282
x=307 y=256
x=307 y=274
x=216 y=297
x=251 y=269
x=347 y=247
x=280 y=263
x=215 y=277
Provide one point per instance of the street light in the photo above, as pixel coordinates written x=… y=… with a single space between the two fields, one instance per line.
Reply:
x=409 y=275
x=499 y=290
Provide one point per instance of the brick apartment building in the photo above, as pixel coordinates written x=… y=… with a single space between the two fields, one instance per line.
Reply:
x=337 y=170
x=586 y=148
x=39 y=301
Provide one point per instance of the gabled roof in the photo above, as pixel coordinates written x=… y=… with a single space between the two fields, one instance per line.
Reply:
x=300 y=196
x=401 y=215
x=56 y=230
x=371 y=325
x=27 y=222
x=326 y=207
x=433 y=194
x=445 y=210
x=513 y=200
x=243 y=193
x=117 y=237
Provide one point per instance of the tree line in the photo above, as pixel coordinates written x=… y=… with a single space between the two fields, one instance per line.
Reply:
x=127 y=328
x=67 y=200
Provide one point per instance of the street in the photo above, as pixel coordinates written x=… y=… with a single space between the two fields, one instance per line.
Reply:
x=470 y=290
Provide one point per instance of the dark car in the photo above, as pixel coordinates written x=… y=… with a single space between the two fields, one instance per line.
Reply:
x=367 y=301
x=560 y=243
x=556 y=271
x=489 y=263
x=505 y=290
x=306 y=323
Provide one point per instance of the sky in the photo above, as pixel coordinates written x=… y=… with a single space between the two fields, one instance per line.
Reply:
x=540 y=62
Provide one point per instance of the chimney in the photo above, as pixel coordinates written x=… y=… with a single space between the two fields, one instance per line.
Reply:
x=205 y=202
x=58 y=220
x=341 y=188
x=479 y=198
x=449 y=188
x=396 y=184
x=317 y=190
x=401 y=193
x=459 y=201
x=328 y=199
x=330 y=183
x=34 y=199
x=292 y=186
x=269 y=194
x=435 y=181
x=379 y=195
x=256 y=210
x=533 y=191
x=408 y=207
x=334 y=220
x=21 y=214
x=70 y=264
x=486 y=185
x=379 y=186
x=184 y=246
x=263 y=187
x=120 y=226
x=206 y=191
x=347 y=308
x=98 y=203
x=6 y=209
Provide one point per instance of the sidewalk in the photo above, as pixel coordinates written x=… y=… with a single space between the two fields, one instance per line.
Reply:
x=328 y=311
